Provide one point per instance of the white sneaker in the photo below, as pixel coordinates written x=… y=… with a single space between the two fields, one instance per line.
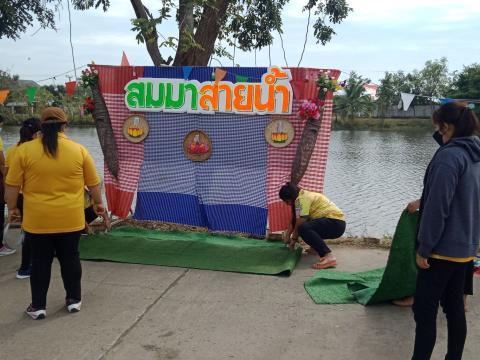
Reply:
x=5 y=250
x=73 y=305
x=36 y=314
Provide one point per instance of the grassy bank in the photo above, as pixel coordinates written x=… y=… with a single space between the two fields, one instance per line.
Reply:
x=383 y=124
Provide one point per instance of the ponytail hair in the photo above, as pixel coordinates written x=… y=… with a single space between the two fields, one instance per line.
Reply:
x=50 y=137
x=29 y=128
x=289 y=192
x=461 y=116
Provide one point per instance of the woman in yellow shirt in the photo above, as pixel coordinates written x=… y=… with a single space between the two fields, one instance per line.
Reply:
x=314 y=218
x=52 y=172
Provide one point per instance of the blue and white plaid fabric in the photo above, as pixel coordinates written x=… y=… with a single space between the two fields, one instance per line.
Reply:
x=225 y=193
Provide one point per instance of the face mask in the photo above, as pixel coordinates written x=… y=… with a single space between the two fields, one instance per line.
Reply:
x=438 y=138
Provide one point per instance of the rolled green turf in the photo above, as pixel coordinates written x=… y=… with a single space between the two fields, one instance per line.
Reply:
x=195 y=250
x=395 y=281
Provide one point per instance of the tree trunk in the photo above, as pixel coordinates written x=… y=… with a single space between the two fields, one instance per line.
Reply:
x=185 y=29
x=105 y=131
x=205 y=36
x=151 y=39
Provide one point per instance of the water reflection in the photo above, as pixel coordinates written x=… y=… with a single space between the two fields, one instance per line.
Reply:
x=371 y=175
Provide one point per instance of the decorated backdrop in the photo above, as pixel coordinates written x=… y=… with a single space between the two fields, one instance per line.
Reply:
x=201 y=156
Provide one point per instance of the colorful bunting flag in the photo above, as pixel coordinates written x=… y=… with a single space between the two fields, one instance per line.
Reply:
x=241 y=78
x=124 y=60
x=219 y=74
x=31 y=92
x=186 y=72
x=70 y=87
x=3 y=95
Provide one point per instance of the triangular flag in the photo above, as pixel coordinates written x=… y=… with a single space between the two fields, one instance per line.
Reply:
x=241 y=78
x=124 y=60
x=31 y=92
x=70 y=87
x=186 y=71
x=407 y=100
x=3 y=95
x=219 y=74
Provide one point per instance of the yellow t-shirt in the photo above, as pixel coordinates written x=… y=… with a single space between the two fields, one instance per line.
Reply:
x=453 y=259
x=10 y=154
x=52 y=187
x=1 y=144
x=316 y=205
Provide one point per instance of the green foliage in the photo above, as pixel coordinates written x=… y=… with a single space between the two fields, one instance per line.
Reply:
x=466 y=84
x=45 y=96
x=329 y=12
x=247 y=24
x=433 y=80
x=17 y=16
x=355 y=102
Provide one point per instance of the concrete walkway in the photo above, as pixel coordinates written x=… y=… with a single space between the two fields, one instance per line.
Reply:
x=150 y=312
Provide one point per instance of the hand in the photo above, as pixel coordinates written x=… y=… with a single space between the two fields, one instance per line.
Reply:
x=286 y=236
x=106 y=219
x=99 y=209
x=413 y=206
x=293 y=241
x=422 y=262
x=14 y=215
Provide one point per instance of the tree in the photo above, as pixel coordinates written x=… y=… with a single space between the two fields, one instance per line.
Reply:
x=355 y=102
x=466 y=84
x=435 y=79
x=203 y=25
x=16 y=16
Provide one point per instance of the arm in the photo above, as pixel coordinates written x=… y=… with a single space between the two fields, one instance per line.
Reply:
x=96 y=194
x=2 y=164
x=441 y=184
x=11 y=197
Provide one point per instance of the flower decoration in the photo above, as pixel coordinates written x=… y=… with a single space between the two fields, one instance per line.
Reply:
x=326 y=83
x=309 y=110
x=88 y=105
x=89 y=76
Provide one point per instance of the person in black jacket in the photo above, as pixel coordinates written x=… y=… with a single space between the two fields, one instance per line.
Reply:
x=449 y=230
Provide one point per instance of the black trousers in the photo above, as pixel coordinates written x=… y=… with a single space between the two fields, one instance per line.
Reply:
x=44 y=247
x=314 y=231
x=443 y=282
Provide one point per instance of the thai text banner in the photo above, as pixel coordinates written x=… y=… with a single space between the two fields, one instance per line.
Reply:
x=273 y=95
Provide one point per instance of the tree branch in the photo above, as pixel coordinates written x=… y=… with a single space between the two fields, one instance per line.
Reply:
x=151 y=38
x=205 y=36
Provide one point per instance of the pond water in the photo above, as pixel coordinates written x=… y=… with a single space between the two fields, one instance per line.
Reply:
x=371 y=175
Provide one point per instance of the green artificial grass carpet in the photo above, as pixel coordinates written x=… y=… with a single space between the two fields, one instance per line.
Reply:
x=190 y=250
x=395 y=281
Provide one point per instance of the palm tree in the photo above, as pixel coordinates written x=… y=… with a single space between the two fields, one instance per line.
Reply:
x=355 y=102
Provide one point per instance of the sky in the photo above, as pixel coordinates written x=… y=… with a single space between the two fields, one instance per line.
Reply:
x=378 y=36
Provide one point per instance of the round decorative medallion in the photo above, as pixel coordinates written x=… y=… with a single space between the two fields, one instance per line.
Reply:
x=135 y=128
x=279 y=132
x=197 y=146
